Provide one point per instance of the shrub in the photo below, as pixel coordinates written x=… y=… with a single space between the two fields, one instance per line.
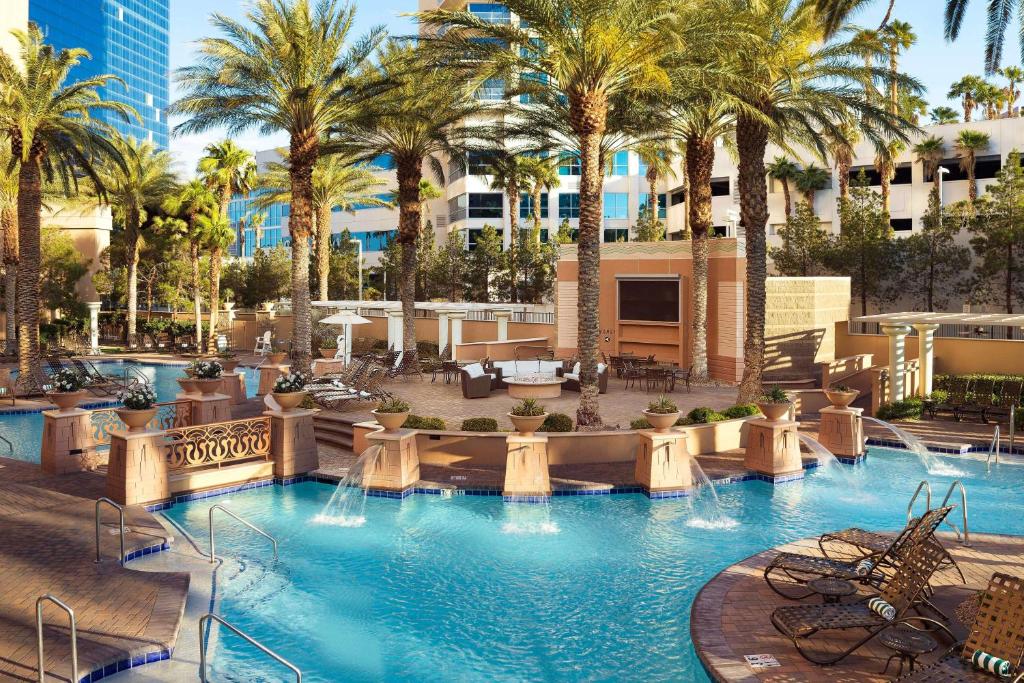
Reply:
x=420 y=422
x=907 y=409
x=67 y=381
x=557 y=422
x=662 y=406
x=841 y=388
x=742 y=410
x=640 y=423
x=776 y=395
x=393 y=405
x=207 y=369
x=137 y=397
x=480 y=424
x=528 y=407
x=704 y=415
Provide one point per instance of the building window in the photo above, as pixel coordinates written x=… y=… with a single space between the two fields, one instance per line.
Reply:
x=649 y=299
x=902 y=224
x=719 y=187
x=662 y=203
x=616 y=205
x=473 y=234
x=619 y=165
x=479 y=163
x=569 y=164
x=526 y=205
x=485 y=205
x=490 y=12
x=528 y=79
x=903 y=175
x=492 y=89
x=678 y=197
x=616 y=234
x=569 y=205
x=457 y=208
x=984 y=167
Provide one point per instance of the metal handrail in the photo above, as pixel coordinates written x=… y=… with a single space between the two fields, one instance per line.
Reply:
x=203 y=642
x=965 y=539
x=10 y=446
x=39 y=635
x=120 y=513
x=1013 y=425
x=993 y=449
x=213 y=553
x=928 y=500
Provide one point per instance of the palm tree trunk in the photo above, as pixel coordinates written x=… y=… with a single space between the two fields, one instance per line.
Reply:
x=303 y=154
x=196 y=294
x=30 y=202
x=972 y=181
x=215 y=259
x=9 y=219
x=843 y=164
x=700 y=161
x=752 y=139
x=886 y=188
x=323 y=250
x=968 y=109
x=131 y=233
x=409 y=172
x=513 y=242
x=787 y=198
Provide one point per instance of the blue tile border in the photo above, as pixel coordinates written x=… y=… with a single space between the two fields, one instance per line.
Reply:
x=963 y=449
x=125 y=664
x=149 y=550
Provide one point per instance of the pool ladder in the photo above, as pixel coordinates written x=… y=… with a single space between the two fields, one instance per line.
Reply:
x=10 y=446
x=39 y=635
x=261 y=532
x=993 y=449
x=964 y=537
x=120 y=513
x=204 y=642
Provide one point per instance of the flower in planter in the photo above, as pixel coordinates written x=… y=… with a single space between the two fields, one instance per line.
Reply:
x=528 y=407
x=290 y=383
x=207 y=369
x=663 y=406
x=67 y=381
x=393 y=405
x=842 y=388
x=137 y=397
x=776 y=395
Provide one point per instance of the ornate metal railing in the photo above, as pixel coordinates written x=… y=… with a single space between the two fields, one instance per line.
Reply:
x=169 y=415
x=218 y=443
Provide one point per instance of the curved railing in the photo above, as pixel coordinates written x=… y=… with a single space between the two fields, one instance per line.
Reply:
x=218 y=443
x=169 y=415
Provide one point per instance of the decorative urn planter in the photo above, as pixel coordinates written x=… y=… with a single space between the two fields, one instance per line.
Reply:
x=841 y=399
x=229 y=364
x=527 y=424
x=188 y=385
x=277 y=357
x=774 y=411
x=289 y=401
x=208 y=387
x=662 y=422
x=328 y=353
x=391 y=422
x=67 y=401
x=136 y=420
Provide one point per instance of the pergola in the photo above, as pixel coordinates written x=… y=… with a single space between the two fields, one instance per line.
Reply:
x=897 y=326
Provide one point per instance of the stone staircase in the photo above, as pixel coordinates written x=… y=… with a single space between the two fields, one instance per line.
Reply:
x=331 y=429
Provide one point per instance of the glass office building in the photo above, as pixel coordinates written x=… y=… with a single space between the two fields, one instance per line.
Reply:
x=126 y=38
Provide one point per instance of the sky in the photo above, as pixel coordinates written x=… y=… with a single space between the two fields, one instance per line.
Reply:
x=932 y=60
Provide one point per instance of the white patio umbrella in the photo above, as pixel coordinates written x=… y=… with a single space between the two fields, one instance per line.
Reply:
x=346 y=319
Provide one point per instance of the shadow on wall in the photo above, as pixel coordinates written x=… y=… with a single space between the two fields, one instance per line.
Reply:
x=789 y=357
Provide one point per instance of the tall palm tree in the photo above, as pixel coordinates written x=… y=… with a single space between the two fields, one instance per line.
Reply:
x=288 y=68
x=189 y=203
x=968 y=144
x=811 y=179
x=587 y=53
x=543 y=175
x=784 y=170
x=991 y=98
x=841 y=143
x=886 y=153
x=1000 y=13
x=896 y=36
x=930 y=152
x=966 y=90
x=9 y=224
x=1014 y=75
x=217 y=236
x=510 y=173
x=941 y=115
x=135 y=189
x=338 y=183
x=53 y=128
x=658 y=158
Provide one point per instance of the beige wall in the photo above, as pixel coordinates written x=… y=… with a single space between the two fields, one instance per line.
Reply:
x=800 y=323
x=89 y=228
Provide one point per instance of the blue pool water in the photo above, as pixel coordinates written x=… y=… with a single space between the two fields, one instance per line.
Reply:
x=470 y=588
x=25 y=431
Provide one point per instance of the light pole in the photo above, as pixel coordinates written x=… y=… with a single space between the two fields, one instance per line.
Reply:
x=942 y=171
x=359 y=297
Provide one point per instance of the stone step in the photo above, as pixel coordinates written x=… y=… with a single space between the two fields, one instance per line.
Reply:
x=333 y=440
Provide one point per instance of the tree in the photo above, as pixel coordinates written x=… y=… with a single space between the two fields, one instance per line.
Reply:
x=658 y=158
x=811 y=179
x=136 y=184
x=9 y=225
x=941 y=115
x=991 y=97
x=424 y=259
x=999 y=16
x=286 y=68
x=966 y=90
x=218 y=235
x=931 y=264
x=864 y=250
x=896 y=36
x=930 y=152
x=648 y=227
x=343 y=283
x=511 y=174
x=451 y=266
x=1014 y=75
x=998 y=238
x=266 y=278
x=543 y=175
x=53 y=126
x=484 y=262
x=886 y=154
x=804 y=244
x=784 y=170
x=968 y=144
x=62 y=266
x=565 y=233
x=190 y=202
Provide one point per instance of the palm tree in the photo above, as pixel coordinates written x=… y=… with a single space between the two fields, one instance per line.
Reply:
x=9 y=224
x=658 y=158
x=966 y=90
x=930 y=152
x=968 y=144
x=999 y=16
x=896 y=36
x=286 y=68
x=784 y=170
x=217 y=236
x=912 y=107
x=190 y=202
x=543 y=175
x=886 y=153
x=587 y=53
x=52 y=126
x=990 y=97
x=941 y=115
x=811 y=179
x=338 y=183
x=1014 y=75
x=510 y=174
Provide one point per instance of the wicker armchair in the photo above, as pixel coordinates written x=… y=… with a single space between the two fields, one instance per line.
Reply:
x=476 y=384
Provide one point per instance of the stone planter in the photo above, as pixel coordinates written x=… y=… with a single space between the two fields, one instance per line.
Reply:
x=391 y=422
x=774 y=411
x=66 y=401
x=135 y=420
x=277 y=357
x=229 y=365
x=188 y=385
x=527 y=424
x=328 y=353
x=208 y=387
x=289 y=401
x=841 y=399
x=662 y=422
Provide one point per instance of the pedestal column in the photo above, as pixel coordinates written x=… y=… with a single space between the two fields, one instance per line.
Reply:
x=292 y=443
x=397 y=467
x=897 y=359
x=526 y=468
x=456 y=317
x=94 y=326
x=663 y=465
x=234 y=386
x=502 y=317
x=208 y=408
x=137 y=469
x=841 y=431
x=68 y=444
x=773 y=449
x=442 y=329
x=926 y=355
x=395 y=330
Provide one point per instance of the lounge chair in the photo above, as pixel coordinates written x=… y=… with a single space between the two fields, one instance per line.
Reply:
x=371 y=389
x=1008 y=397
x=788 y=573
x=902 y=593
x=980 y=398
x=955 y=401
x=96 y=383
x=407 y=365
x=998 y=630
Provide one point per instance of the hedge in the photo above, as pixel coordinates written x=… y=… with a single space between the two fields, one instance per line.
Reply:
x=480 y=424
x=420 y=422
x=556 y=422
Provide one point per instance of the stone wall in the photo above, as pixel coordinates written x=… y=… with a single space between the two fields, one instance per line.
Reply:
x=800 y=324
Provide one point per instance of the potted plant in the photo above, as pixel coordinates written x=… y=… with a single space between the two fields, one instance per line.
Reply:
x=662 y=414
x=279 y=353
x=67 y=390
x=775 y=404
x=329 y=348
x=289 y=390
x=139 y=406
x=391 y=414
x=527 y=416
x=206 y=376
x=228 y=361
x=840 y=395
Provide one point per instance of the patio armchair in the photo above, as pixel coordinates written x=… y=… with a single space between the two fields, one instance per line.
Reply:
x=476 y=382
x=1008 y=398
x=997 y=630
x=572 y=379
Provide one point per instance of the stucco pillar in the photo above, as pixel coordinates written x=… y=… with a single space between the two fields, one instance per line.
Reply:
x=926 y=356
x=208 y=408
x=94 y=326
x=137 y=471
x=395 y=322
x=773 y=449
x=67 y=444
x=397 y=467
x=502 y=316
x=268 y=376
x=526 y=468
x=663 y=465
x=442 y=329
x=897 y=358
x=292 y=442
x=456 y=317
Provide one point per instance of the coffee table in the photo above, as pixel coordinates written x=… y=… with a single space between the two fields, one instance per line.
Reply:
x=534 y=386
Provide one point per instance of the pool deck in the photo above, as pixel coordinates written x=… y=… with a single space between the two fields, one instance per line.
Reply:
x=730 y=617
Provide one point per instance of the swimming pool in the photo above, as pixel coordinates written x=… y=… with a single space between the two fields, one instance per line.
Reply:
x=25 y=431
x=471 y=588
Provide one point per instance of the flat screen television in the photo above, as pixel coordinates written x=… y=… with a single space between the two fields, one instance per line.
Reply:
x=649 y=300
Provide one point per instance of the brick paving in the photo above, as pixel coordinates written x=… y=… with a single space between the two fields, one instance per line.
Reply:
x=730 y=616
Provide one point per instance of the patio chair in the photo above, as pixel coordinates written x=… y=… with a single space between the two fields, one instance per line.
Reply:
x=409 y=366
x=980 y=398
x=263 y=345
x=998 y=630
x=631 y=372
x=572 y=379
x=901 y=594
x=370 y=389
x=475 y=381
x=957 y=399
x=1008 y=397
x=54 y=365
x=96 y=383
x=788 y=573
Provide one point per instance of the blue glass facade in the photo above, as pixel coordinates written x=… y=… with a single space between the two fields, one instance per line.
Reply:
x=126 y=38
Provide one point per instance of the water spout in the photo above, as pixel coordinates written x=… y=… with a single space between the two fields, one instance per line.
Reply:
x=827 y=460
x=347 y=506
x=931 y=463
x=711 y=515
